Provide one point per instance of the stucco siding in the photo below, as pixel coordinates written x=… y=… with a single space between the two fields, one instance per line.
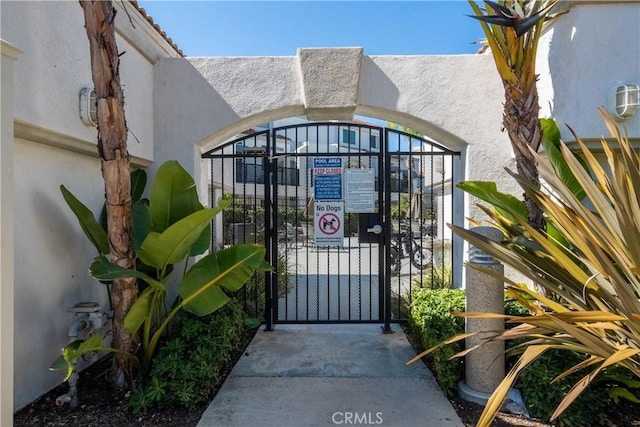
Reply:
x=457 y=100
x=453 y=95
x=584 y=54
x=9 y=54
x=136 y=75
x=52 y=257
x=56 y=66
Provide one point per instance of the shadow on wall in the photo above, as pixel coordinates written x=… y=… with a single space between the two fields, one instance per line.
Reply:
x=375 y=82
x=187 y=108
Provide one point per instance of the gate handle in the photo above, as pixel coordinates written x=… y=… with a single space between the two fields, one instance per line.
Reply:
x=376 y=229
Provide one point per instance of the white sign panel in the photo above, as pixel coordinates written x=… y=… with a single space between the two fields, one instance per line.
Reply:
x=329 y=223
x=360 y=186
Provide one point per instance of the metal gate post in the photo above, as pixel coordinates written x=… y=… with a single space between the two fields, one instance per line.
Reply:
x=269 y=242
x=385 y=265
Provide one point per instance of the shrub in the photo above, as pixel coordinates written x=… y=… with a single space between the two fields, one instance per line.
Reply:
x=189 y=366
x=542 y=397
x=439 y=276
x=431 y=322
x=514 y=308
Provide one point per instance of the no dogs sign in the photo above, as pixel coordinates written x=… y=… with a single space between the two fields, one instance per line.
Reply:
x=329 y=224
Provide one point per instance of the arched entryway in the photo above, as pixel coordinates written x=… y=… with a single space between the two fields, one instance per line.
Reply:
x=449 y=99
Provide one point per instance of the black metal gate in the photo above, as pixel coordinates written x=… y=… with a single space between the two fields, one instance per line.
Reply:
x=348 y=243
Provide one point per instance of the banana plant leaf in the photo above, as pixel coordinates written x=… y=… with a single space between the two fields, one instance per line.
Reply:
x=508 y=205
x=78 y=348
x=202 y=244
x=174 y=244
x=139 y=311
x=229 y=268
x=200 y=288
x=173 y=196
x=103 y=269
x=90 y=226
x=141 y=222
x=138 y=184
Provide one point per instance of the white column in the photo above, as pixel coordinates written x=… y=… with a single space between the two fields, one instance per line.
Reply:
x=484 y=367
x=9 y=54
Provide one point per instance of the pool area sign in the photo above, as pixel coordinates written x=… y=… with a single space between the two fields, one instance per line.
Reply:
x=327 y=178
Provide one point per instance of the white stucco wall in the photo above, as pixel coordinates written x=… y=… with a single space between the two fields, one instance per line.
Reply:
x=51 y=259
x=56 y=66
x=9 y=54
x=52 y=147
x=582 y=56
x=456 y=100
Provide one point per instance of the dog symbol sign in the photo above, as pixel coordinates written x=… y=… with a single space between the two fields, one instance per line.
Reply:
x=329 y=219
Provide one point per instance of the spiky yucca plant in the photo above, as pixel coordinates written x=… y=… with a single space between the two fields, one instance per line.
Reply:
x=592 y=269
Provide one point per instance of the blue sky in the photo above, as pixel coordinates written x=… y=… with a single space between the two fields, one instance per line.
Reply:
x=278 y=28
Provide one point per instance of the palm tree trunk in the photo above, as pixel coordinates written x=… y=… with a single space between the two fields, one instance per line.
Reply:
x=523 y=126
x=112 y=148
x=522 y=122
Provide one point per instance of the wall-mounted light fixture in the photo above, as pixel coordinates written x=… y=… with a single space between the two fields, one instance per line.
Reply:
x=624 y=100
x=88 y=106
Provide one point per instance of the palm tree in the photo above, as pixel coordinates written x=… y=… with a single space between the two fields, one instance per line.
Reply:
x=112 y=148
x=513 y=29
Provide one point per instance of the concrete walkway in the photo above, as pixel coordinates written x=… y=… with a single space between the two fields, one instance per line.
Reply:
x=318 y=375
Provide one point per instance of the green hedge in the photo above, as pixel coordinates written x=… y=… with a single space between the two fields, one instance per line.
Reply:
x=431 y=322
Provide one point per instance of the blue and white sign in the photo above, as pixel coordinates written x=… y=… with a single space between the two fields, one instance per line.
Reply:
x=327 y=178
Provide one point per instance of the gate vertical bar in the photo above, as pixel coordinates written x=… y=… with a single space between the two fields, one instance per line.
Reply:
x=269 y=287
x=272 y=160
x=383 y=250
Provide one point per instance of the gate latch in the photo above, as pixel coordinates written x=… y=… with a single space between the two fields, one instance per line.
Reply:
x=376 y=229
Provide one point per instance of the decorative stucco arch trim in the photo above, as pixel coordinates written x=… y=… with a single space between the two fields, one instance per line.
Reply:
x=204 y=101
x=330 y=80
